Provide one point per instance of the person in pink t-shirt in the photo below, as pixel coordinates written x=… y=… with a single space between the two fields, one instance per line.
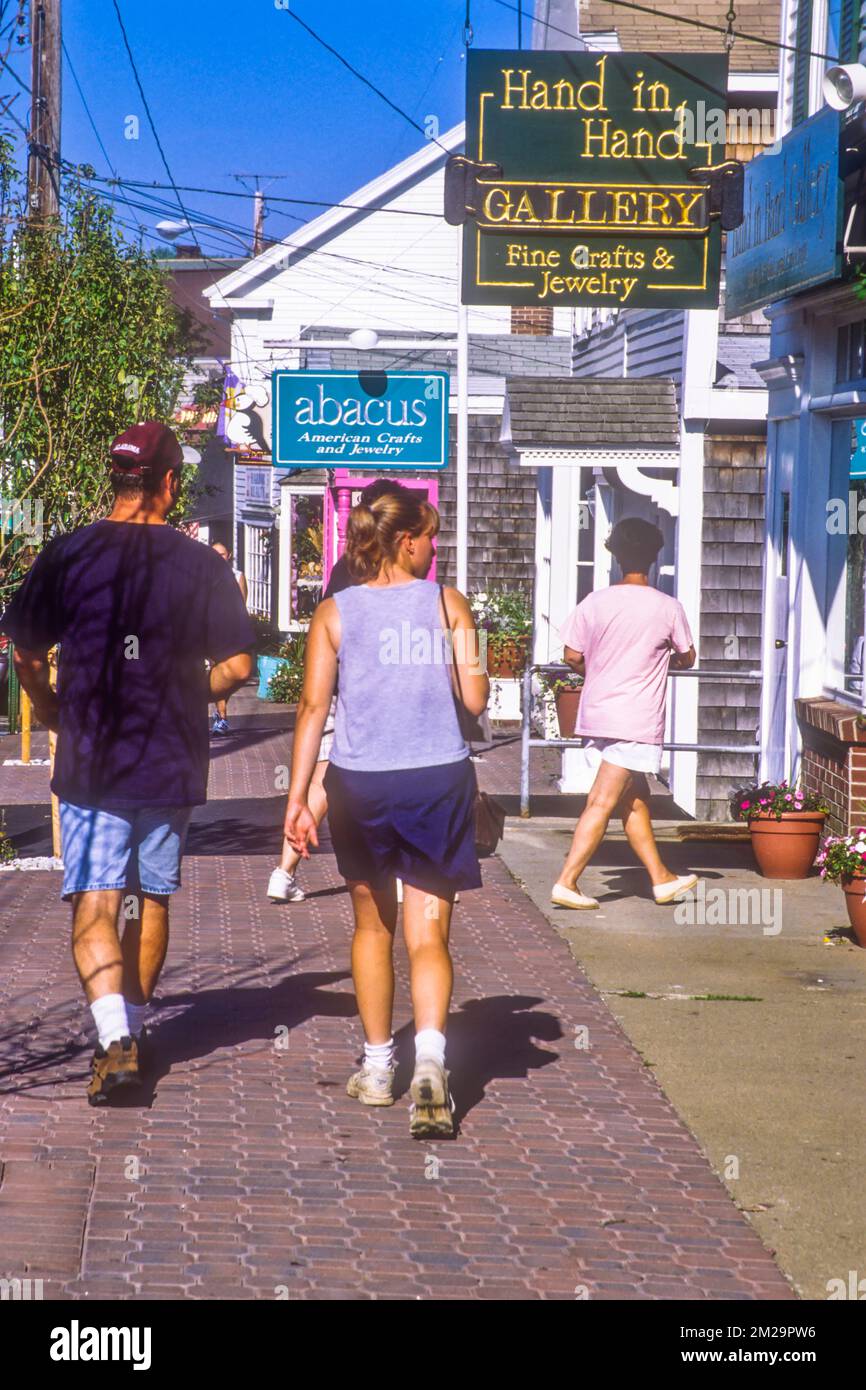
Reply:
x=624 y=640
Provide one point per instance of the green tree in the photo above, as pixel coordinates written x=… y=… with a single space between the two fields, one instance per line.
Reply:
x=90 y=343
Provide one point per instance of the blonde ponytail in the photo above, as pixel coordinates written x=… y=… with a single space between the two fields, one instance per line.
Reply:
x=373 y=532
x=363 y=546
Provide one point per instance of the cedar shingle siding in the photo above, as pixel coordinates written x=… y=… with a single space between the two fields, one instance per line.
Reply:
x=731 y=608
x=501 y=513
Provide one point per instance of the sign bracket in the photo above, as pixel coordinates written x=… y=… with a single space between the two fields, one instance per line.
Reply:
x=725 y=182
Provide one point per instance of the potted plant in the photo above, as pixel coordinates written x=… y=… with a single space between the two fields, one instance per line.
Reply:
x=785 y=826
x=503 y=619
x=285 y=685
x=268 y=645
x=842 y=859
x=566 y=691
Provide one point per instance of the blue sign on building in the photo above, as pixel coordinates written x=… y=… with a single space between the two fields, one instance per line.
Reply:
x=858 y=456
x=374 y=419
x=789 y=238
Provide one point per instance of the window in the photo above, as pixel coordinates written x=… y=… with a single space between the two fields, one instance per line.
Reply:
x=586 y=535
x=302 y=514
x=258 y=546
x=802 y=62
x=851 y=352
x=854 y=602
x=822 y=26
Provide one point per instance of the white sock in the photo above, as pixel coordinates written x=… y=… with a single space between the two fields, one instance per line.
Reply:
x=430 y=1043
x=135 y=1014
x=109 y=1015
x=379 y=1056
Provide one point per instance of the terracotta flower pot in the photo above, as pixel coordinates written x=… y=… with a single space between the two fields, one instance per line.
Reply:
x=506 y=657
x=854 y=890
x=786 y=848
x=567 y=702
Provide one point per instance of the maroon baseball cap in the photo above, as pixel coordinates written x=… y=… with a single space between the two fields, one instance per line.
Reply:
x=148 y=448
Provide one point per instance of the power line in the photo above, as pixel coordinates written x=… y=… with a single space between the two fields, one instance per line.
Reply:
x=682 y=19
x=93 y=126
x=311 y=202
x=361 y=78
x=152 y=125
x=144 y=103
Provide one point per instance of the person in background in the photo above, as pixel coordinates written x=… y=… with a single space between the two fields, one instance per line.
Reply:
x=283 y=885
x=624 y=640
x=138 y=608
x=400 y=785
x=221 y=723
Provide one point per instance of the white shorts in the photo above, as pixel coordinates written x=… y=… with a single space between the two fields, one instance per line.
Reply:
x=327 y=742
x=621 y=752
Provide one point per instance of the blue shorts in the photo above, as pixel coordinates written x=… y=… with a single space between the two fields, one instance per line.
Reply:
x=417 y=824
x=140 y=850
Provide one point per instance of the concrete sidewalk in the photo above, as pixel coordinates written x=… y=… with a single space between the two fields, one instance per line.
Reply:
x=246 y=1172
x=768 y=1072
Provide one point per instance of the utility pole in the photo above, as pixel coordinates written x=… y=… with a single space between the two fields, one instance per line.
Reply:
x=258 y=222
x=43 y=165
x=258 y=206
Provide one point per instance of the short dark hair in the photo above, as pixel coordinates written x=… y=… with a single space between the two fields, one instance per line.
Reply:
x=132 y=485
x=635 y=544
x=382 y=487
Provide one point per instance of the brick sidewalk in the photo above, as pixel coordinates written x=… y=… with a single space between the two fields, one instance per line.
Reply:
x=249 y=1171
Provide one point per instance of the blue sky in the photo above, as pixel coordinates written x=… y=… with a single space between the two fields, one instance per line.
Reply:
x=241 y=87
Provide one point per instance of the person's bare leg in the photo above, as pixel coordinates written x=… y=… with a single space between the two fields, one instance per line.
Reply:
x=317 y=799
x=95 y=943
x=372 y=958
x=426 y=925
x=601 y=802
x=636 y=822
x=144 y=944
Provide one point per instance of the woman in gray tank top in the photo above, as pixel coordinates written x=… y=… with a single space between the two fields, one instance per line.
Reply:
x=400 y=784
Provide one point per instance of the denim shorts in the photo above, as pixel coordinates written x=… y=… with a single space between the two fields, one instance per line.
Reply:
x=416 y=824
x=138 y=849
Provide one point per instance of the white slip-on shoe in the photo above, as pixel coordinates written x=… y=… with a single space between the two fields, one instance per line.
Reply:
x=283 y=888
x=371 y=1086
x=669 y=892
x=567 y=897
x=432 y=1109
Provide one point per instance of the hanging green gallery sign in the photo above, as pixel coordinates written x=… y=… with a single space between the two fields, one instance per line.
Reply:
x=592 y=193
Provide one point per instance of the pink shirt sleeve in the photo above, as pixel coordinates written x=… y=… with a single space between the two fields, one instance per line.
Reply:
x=681 y=634
x=573 y=631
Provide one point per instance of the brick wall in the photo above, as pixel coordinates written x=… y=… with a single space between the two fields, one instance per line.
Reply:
x=533 y=320
x=834 y=761
x=731 y=604
x=501 y=513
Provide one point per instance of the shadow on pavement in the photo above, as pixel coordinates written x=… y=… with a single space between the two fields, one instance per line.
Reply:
x=488 y=1039
x=224 y=1018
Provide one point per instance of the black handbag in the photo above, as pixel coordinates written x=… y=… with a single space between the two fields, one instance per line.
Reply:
x=489 y=815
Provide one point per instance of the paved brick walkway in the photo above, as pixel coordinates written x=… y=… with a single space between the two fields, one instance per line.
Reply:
x=249 y=1173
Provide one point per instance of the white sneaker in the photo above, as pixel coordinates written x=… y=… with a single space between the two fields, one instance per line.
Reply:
x=430 y=1114
x=568 y=897
x=669 y=892
x=371 y=1086
x=283 y=888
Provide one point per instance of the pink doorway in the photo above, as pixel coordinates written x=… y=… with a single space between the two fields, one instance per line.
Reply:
x=342 y=495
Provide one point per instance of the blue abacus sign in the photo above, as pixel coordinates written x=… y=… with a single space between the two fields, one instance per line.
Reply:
x=372 y=419
x=858 y=456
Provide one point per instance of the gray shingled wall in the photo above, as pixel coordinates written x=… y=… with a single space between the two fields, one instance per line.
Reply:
x=501 y=514
x=731 y=607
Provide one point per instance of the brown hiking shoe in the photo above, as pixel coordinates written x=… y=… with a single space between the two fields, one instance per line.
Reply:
x=114 y=1067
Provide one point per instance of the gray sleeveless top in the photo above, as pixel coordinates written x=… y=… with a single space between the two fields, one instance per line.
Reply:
x=395 y=708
